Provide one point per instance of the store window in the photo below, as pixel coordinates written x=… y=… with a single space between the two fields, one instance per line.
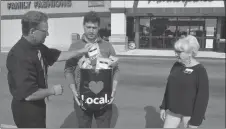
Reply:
x=223 y=30
x=197 y=25
x=144 y=32
x=158 y=27
x=210 y=27
x=105 y=28
x=162 y=32
x=183 y=24
x=171 y=27
x=170 y=32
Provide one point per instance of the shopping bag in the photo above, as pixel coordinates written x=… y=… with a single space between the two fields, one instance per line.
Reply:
x=95 y=88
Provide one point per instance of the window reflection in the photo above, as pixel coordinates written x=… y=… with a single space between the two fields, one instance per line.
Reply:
x=144 y=32
x=210 y=26
x=223 y=30
x=183 y=26
x=170 y=32
x=162 y=32
x=105 y=28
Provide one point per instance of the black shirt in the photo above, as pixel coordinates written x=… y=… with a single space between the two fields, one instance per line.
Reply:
x=25 y=72
x=187 y=93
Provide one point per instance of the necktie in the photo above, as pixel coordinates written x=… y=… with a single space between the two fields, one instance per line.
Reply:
x=43 y=67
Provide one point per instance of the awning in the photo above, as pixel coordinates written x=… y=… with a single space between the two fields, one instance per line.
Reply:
x=213 y=12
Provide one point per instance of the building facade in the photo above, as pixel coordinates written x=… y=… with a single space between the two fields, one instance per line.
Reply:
x=157 y=25
x=65 y=20
x=152 y=25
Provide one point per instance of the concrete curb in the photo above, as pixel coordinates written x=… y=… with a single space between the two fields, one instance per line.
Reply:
x=167 y=54
x=7 y=126
x=154 y=56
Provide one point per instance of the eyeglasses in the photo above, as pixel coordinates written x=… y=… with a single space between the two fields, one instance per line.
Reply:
x=178 y=52
x=45 y=31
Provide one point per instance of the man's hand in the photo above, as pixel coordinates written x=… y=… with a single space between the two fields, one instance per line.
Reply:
x=112 y=97
x=57 y=89
x=76 y=98
x=86 y=49
x=115 y=83
x=163 y=114
x=66 y=55
x=77 y=101
x=113 y=62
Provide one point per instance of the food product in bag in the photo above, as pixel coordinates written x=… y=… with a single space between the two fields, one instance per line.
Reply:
x=94 y=52
x=103 y=63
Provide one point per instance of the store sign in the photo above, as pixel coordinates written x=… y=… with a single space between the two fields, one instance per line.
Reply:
x=92 y=3
x=180 y=4
x=167 y=4
x=39 y=4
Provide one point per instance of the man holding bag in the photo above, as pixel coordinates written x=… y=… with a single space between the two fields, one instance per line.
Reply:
x=73 y=67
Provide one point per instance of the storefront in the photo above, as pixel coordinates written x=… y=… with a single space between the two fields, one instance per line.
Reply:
x=157 y=25
x=65 y=20
x=162 y=32
x=153 y=25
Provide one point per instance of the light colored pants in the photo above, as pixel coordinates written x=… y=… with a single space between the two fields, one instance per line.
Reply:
x=173 y=120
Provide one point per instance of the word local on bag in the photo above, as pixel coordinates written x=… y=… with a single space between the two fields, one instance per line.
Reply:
x=101 y=100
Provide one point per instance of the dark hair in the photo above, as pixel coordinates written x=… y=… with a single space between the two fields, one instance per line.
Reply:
x=184 y=33
x=32 y=19
x=91 y=17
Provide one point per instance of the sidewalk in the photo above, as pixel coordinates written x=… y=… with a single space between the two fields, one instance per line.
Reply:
x=165 y=53
x=158 y=53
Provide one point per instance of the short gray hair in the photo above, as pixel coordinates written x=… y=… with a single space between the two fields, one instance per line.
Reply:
x=188 y=44
x=32 y=19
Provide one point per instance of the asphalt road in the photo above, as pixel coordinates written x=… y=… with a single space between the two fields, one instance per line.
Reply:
x=139 y=94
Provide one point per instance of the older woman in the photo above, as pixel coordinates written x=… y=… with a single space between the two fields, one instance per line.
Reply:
x=187 y=91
